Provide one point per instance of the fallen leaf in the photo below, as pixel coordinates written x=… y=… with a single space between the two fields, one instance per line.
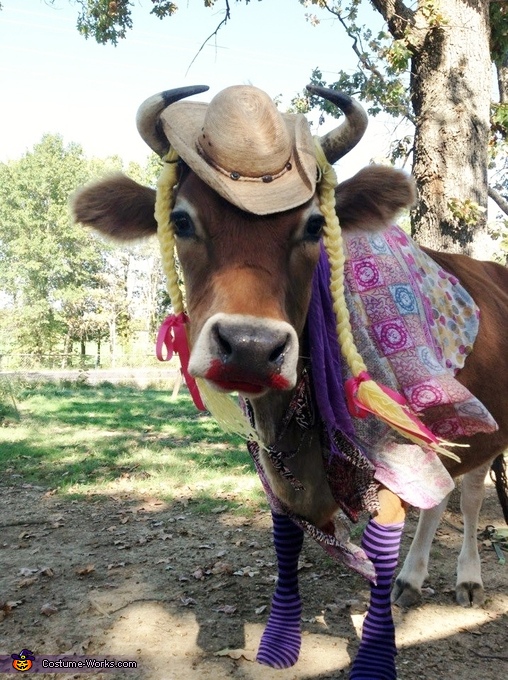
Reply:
x=47 y=571
x=24 y=535
x=228 y=609
x=188 y=601
x=222 y=568
x=12 y=604
x=304 y=565
x=220 y=508
x=237 y=654
x=246 y=571
x=48 y=609
x=84 y=571
x=25 y=571
x=25 y=582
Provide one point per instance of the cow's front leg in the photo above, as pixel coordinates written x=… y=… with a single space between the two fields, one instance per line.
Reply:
x=407 y=590
x=381 y=541
x=281 y=641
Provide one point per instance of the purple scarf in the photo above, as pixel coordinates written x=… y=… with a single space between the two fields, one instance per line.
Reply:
x=325 y=359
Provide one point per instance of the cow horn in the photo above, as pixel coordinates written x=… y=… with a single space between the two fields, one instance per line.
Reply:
x=148 y=116
x=343 y=138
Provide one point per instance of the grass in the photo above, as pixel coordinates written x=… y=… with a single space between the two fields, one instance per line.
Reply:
x=91 y=440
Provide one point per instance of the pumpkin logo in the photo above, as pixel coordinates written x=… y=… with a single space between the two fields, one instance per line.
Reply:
x=23 y=661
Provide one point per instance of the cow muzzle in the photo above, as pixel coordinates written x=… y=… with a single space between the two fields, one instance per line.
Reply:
x=246 y=354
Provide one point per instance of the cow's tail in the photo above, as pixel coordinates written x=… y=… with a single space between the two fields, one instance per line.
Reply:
x=499 y=475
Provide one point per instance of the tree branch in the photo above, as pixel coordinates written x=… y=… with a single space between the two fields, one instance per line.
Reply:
x=221 y=24
x=396 y=14
x=500 y=200
x=358 y=50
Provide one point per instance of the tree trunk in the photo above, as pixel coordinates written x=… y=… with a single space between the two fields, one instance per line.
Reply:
x=112 y=341
x=451 y=83
x=502 y=80
x=98 y=357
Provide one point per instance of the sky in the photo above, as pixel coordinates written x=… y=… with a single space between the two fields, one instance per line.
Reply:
x=52 y=80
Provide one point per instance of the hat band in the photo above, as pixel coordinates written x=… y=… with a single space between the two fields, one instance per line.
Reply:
x=237 y=176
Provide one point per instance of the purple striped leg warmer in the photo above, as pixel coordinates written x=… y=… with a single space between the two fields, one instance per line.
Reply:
x=376 y=656
x=281 y=640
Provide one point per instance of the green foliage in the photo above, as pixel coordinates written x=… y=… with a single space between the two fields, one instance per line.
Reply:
x=500 y=234
x=47 y=263
x=398 y=55
x=8 y=406
x=164 y=8
x=59 y=283
x=381 y=79
x=467 y=212
x=499 y=120
x=431 y=10
x=105 y=20
x=498 y=31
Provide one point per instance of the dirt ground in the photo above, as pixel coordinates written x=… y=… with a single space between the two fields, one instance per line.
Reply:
x=133 y=578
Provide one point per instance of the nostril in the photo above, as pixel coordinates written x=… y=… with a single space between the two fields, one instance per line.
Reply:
x=277 y=355
x=224 y=345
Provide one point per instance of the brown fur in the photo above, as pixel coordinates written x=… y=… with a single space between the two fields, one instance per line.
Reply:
x=374 y=197
x=116 y=206
x=265 y=277
x=122 y=209
x=485 y=372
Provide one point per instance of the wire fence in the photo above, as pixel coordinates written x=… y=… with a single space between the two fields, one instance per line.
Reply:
x=136 y=368
x=45 y=362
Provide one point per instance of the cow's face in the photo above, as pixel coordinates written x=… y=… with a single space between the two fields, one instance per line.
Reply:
x=248 y=284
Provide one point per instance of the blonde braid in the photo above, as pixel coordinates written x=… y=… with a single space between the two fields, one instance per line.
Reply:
x=163 y=206
x=223 y=408
x=333 y=243
x=369 y=394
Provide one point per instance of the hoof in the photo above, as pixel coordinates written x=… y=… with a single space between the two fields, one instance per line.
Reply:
x=469 y=594
x=405 y=595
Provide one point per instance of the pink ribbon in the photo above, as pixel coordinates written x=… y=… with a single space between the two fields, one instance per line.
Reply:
x=359 y=410
x=173 y=336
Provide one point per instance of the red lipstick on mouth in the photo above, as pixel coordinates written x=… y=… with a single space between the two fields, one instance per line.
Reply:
x=233 y=380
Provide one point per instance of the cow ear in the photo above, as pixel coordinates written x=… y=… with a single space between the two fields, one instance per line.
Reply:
x=372 y=198
x=117 y=207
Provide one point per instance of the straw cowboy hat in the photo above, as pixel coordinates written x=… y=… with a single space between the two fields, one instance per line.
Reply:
x=255 y=157
x=241 y=146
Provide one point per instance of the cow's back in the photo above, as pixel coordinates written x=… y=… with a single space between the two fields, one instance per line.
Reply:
x=485 y=372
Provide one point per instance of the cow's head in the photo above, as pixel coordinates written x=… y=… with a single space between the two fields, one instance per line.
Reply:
x=246 y=221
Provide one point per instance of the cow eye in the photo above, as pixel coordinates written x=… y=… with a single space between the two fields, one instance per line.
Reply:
x=182 y=224
x=314 y=228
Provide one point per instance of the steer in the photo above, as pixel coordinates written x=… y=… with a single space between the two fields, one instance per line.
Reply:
x=249 y=200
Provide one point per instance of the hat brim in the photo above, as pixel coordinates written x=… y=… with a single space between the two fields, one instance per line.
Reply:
x=182 y=123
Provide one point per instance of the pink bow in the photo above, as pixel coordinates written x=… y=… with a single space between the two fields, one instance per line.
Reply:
x=173 y=336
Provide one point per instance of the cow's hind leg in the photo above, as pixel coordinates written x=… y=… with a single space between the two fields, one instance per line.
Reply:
x=469 y=588
x=381 y=541
x=281 y=640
